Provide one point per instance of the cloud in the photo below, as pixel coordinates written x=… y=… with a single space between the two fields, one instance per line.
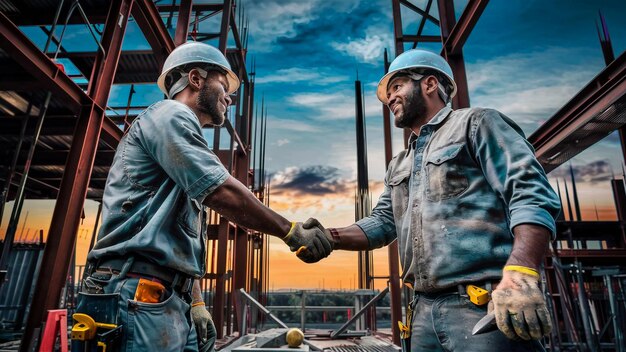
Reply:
x=592 y=172
x=336 y=105
x=276 y=123
x=312 y=180
x=298 y=75
x=271 y=20
x=528 y=87
x=282 y=142
x=369 y=48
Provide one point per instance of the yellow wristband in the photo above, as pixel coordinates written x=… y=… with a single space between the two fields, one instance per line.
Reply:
x=293 y=224
x=522 y=269
x=197 y=304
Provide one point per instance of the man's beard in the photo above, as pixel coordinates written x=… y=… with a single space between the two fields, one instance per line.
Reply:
x=208 y=100
x=413 y=109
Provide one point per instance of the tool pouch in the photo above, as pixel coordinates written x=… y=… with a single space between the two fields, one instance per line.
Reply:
x=101 y=307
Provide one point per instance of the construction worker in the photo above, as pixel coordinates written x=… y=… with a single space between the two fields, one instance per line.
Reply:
x=143 y=271
x=469 y=205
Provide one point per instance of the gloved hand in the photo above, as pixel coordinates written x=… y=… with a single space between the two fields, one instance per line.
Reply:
x=311 y=235
x=520 y=307
x=203 y=321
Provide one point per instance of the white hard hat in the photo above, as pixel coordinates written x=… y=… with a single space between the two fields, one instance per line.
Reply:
x=201 y=53
x=415 y=59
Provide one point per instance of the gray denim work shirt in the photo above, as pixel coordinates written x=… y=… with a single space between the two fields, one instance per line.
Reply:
x=152 y=204
x=454 y=196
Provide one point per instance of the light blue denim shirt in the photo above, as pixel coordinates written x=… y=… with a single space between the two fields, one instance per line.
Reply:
x=152 y=204
x=453 y=198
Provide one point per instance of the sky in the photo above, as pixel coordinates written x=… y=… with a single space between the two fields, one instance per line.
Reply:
x=525 y=58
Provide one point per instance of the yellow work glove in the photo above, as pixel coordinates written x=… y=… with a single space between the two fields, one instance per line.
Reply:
x=309 y=240
x=519 y=304
x=203 y=321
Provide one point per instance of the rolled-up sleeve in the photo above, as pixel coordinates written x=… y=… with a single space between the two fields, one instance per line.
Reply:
x=379 y=227
x=173 y=137
x=509 y=164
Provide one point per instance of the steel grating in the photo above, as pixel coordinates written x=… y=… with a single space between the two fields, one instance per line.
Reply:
x=363 y=348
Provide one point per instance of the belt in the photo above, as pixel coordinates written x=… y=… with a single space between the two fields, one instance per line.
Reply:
x=461 y=289
x=177 y=280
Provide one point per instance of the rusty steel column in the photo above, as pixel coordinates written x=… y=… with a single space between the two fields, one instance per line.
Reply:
x=397 y=31
x=226 y=12
x=456 y=61
x=392 y=248
x=182 y=24
x=69 y=204
x=219 y=300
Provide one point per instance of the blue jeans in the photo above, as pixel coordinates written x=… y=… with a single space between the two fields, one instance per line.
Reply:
x=444 y=323
x=163 y=326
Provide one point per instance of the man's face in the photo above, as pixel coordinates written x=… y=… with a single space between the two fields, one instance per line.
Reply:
x=405 y=101
x=212 y=98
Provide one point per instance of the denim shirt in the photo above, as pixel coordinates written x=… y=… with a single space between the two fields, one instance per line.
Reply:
x=454 y=196
x=152 y=204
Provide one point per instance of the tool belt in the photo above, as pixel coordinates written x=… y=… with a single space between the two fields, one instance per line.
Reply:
x=177 y=280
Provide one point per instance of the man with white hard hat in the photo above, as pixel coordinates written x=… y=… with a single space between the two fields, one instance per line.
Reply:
x=142 y=272
x=472 y=211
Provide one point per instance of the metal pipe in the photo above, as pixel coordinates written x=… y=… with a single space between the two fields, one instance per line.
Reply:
x=619 y=338
x=11 y=172
x=19 y=198
x=343 y=328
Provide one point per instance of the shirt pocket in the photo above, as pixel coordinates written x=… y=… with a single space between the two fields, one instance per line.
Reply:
x=444 y=172
x=190 y=217
x=399 y=185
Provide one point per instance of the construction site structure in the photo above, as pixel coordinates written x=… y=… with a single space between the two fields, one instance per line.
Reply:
x=59 y=133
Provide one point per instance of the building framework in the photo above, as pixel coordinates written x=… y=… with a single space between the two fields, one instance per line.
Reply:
x=58 y=135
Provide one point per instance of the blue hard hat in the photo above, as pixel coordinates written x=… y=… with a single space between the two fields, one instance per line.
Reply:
x=415 y=59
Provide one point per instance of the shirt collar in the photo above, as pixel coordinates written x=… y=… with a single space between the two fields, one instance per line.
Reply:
x=433 y=123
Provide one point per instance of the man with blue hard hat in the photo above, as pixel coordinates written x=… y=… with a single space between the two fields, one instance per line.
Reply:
x=472 y=211
x=141 y=277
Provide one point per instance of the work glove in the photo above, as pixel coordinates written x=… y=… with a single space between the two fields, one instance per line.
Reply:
x=204 y=323
x=519 y=305
x=309 y=240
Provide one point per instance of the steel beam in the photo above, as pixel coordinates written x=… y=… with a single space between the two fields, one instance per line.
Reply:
x=462 y=29
x=596 y=98
x=48 y=74
x=149 y=20
x=226 y=14
x=69 y=204
x=420 y=38
x=45 y=71
x=219 y=300
x=456 y=61
x=419 y=11
x=194 y=8
x=182 y=24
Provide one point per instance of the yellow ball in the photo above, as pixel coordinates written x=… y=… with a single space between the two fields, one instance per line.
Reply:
x=294 y=337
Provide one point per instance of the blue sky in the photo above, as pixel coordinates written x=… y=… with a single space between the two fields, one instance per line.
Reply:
x=524 y=58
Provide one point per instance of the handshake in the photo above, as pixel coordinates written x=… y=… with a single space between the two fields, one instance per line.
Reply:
x=310 y=240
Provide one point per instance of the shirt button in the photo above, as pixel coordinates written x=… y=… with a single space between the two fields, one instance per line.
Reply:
x=417 y=173
x=419 y=150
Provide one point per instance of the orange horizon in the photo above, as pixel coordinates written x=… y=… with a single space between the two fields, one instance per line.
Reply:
x=339 y=271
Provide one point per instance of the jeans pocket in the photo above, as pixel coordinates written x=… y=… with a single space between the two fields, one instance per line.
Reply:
x=162 y=326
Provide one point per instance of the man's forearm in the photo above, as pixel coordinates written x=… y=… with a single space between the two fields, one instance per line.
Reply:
x=350 y=238
x=530 y=245
x=196 y=292
x=236 y=203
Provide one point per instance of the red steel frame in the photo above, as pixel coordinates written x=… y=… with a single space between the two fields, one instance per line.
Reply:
x=69 y=205
x=93 y=124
